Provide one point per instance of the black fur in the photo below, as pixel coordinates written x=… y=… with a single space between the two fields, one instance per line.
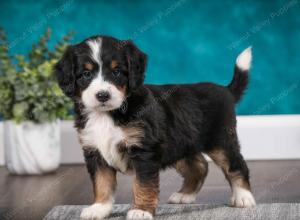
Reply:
x=137 y=62
x=239 y=83
x=65 y=72
x=93 y=161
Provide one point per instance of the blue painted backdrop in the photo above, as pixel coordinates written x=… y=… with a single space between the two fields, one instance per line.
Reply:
x=186 y=40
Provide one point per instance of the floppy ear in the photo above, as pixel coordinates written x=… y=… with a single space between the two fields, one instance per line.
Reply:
x=137 y=62
x=64 y=71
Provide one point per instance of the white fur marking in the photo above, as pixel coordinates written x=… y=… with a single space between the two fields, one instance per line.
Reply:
x=181 y=198
x=242 y=198
x=98 y=84
x=96 y=211
x=137 y=214
x=243 y=61
x=101 y=132
x=95 y=46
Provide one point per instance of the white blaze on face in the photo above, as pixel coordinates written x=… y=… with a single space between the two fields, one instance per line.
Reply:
x=99 y=84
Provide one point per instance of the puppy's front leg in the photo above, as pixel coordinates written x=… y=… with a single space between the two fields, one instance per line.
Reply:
x=146 y=192
x=104 y=184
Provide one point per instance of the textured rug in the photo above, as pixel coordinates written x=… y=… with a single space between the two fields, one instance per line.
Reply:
x=275 y=211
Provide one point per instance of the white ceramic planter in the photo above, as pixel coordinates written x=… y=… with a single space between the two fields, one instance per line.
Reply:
x=32 y=148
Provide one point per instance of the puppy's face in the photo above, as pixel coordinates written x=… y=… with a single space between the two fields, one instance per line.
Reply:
x=101 y=72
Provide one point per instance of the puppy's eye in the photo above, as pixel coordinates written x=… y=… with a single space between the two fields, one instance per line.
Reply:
x=87 y=74
x=116 y=72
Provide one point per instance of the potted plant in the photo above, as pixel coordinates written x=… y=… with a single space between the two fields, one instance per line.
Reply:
x=31 y=103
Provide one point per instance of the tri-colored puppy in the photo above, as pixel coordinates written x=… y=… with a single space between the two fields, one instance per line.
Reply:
x=126 y=126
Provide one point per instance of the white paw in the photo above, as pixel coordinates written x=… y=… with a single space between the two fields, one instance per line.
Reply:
x=177 y=198
x=242 y=198
x=96 y=211
x=137 y=214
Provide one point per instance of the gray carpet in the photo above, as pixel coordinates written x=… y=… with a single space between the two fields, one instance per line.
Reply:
x=275 y=211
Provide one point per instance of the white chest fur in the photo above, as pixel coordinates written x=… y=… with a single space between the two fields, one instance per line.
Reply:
x=101 y=132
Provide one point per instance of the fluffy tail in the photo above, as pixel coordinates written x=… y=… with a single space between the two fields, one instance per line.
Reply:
x=239 y=83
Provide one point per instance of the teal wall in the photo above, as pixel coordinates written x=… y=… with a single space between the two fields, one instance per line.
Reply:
x=186 y=40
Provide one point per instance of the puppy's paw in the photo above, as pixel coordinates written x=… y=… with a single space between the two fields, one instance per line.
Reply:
x=96 y=211
x=242 y=198
x=138 y=214
x=177 y=198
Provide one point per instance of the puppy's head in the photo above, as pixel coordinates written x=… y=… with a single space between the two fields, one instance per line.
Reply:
x=101 y=72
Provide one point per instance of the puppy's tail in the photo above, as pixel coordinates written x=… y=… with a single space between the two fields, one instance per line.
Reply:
x=239 y=83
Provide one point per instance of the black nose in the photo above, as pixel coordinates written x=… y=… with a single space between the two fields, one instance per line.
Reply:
x=102 y=96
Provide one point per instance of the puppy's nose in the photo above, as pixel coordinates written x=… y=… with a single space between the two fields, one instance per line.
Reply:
x=103 y=96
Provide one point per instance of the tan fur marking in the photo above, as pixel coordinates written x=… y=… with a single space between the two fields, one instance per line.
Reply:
x=239 y=182
x=134 y=135
x=113 y=64
x=193 y=172
x=146 y=195
x=220 y=159
x=122 y=89
x=105 y=184
x=234 y=178
x=89 y=66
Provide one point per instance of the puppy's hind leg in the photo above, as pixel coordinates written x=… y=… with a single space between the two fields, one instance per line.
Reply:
x=194 y=171
x=236 y=172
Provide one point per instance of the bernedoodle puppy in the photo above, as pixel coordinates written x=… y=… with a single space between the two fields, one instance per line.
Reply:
x=126 y=126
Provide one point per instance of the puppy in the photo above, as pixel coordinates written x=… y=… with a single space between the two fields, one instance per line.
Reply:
x=126 y=126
